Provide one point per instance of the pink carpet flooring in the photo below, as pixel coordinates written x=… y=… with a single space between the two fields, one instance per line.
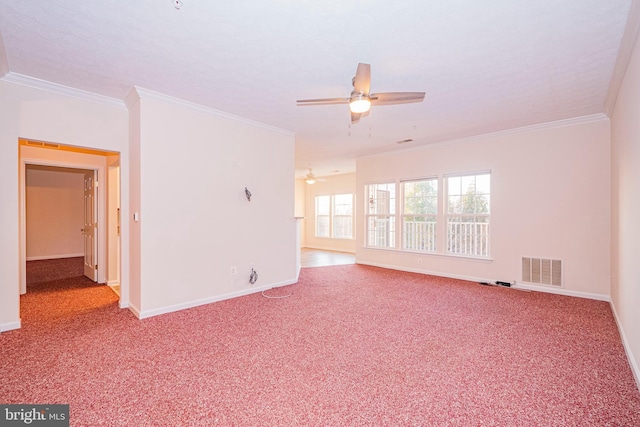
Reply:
x=351 y=346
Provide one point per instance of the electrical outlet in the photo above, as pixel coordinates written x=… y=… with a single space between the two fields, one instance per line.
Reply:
x=419 y=261
x=234 y=270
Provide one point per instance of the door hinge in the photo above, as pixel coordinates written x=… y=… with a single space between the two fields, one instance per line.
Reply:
x=96 y=266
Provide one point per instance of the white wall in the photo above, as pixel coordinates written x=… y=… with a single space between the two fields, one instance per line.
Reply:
x=299 y=202
x=53 y=116
x=135 y=295
x=113 y=217
x=300 y=198
x=550 y=189
x=9 y=230
x=54 y=212
x=336 y=184
x=195 y=221
x=625 y=289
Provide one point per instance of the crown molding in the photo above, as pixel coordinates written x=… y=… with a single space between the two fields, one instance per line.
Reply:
x=629 y=39
x=136 y=93
x=592 y=118
x=141 y=93
x=59 y=89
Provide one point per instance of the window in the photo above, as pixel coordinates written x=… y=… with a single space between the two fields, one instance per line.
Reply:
x=461 y=228
x=468 y=214
x=334 y=216
x=342 y=216
x=419 y=214
x=323 y=208
x=380 y=215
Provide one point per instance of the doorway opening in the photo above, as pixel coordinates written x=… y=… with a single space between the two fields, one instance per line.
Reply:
x=69 y=212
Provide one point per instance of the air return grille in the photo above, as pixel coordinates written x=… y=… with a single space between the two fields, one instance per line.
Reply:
x=542 y=271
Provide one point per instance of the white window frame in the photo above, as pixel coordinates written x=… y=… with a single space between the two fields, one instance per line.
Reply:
x=421 y=235
x=468 y=233
x=322 y=215
x=334 y=215
x=384 y=233
x=331 y=216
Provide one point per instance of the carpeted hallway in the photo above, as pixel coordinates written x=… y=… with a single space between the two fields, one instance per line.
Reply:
x=351 y=346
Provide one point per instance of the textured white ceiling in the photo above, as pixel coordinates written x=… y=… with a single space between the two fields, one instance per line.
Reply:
x=485 y=66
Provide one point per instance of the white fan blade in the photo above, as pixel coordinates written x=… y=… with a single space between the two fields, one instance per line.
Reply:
x=388 y=98
x=323 y=101
x=362 y=79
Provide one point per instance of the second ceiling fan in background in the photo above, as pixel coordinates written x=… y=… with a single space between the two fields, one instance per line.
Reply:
x=312 y=179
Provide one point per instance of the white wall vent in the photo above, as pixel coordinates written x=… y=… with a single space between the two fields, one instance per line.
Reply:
x=542 y=271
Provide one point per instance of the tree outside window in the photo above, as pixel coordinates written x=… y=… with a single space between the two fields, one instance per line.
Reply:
x=420 y=210
x=468 y=214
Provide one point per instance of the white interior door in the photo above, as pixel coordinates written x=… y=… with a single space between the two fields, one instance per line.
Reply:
x=90 y=229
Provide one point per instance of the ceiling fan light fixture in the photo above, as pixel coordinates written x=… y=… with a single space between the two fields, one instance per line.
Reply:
x=310 y=180
x=359 y=103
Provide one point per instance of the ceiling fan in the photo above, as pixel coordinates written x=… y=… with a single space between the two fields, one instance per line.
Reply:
x=311 y=178
x=360 y=100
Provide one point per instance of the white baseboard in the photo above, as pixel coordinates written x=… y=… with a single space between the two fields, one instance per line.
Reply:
x=191 y=304
x=10 y=326
x=115 y=286
x=135 y=310
x=520 y=286
x=562 y=291
x=330 y=249
x=627 y=348
x=431 y=273
x=41 y=257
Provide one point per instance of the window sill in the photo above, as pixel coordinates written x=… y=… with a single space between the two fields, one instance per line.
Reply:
x=335 y=238
x=432 y=254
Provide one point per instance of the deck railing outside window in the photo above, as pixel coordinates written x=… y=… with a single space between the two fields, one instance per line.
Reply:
x=419 y=235
x=468 y=236
x=463 y=238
